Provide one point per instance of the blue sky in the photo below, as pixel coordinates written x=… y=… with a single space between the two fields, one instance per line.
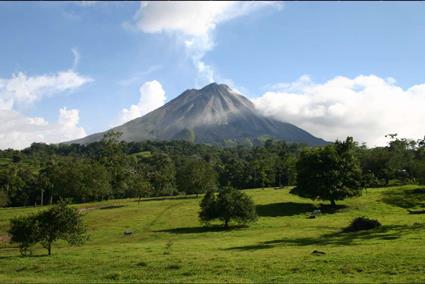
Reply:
x=294 y=55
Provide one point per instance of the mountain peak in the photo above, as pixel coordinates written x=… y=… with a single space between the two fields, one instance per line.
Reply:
x=212 y=114
x=215 y=86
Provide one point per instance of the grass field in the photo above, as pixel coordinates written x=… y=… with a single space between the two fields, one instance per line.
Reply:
x=169 y=244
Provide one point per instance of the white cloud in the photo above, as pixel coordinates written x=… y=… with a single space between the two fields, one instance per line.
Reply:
x=21 y=89
x=195 y=18
x=77 y=57
x=193 y=23
x=365 y=107
x=152 y=96
x=18 y=131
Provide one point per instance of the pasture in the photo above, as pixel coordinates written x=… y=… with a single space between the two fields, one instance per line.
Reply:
x=169 y=244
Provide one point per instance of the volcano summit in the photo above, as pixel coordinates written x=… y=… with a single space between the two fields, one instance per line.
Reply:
x=214 y=114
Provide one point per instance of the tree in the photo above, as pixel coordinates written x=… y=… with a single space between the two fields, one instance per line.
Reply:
x=161 y=174
x=24 y=231
x=330 y=173
x=195 y=176
x=139 y=185
x=60 y=222
x=230 y=204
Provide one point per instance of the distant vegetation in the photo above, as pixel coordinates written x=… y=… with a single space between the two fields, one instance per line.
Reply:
x=45 y=174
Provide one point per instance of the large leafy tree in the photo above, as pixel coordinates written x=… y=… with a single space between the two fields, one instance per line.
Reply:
x=230 y=204
x=330 y=173
x=60 y=222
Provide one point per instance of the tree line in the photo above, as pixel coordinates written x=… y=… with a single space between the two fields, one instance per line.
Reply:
x=45 y=174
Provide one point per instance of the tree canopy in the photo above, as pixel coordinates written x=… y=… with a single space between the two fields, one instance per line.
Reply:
x=230 y=204
x=329 y=173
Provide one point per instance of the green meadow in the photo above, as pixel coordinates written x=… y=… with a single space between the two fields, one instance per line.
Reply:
x=169 y=244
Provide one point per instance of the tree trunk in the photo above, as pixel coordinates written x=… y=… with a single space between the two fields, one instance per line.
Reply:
x=42 y=197
x=226 y=223
x=333 y=204
x=51 y=196
x=49 y=249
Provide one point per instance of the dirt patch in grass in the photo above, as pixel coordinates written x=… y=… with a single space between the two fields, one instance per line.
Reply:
x=4 y=238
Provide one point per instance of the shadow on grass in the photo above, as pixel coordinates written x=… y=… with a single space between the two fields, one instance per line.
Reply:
x=405 y=198
x=293 y=208
x=338 y=238
x=21 y=256
x=159 y=198
x=111 y=207
x=284 y=209
x=206 y=229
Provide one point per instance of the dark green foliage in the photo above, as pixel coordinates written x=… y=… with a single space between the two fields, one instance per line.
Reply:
x=4 y=199
x=43 y=174
x=60 y=222
x=230 y=204
x=330 y=173
x=195 y=176
x=24 y=231
x=161 y=174
x=362 y=223
x=419 y=170
x=208 y=207
x=393 y=162
x=80 y=180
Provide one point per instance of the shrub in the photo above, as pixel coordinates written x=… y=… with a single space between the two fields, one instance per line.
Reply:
x=362 y=223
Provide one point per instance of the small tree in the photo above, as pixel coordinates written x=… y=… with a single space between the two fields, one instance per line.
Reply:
x=230 y=204
x=330 y=173
x=60 y=222
x=24 y=231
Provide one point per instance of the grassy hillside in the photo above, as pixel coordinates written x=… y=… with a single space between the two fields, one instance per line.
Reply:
x=278 y=248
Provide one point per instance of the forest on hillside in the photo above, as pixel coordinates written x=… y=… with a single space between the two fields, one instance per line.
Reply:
x=43 y=174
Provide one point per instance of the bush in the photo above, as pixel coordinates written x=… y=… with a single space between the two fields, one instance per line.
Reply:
x=230 y=204
x=362 y=223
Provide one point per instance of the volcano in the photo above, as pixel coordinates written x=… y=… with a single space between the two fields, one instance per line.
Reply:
x=214 y=114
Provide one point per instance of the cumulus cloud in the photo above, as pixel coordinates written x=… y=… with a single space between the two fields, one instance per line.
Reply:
x=18 y=131
x=193 y=23
x=365 y=107
x=152 y=96
x=20 y=90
